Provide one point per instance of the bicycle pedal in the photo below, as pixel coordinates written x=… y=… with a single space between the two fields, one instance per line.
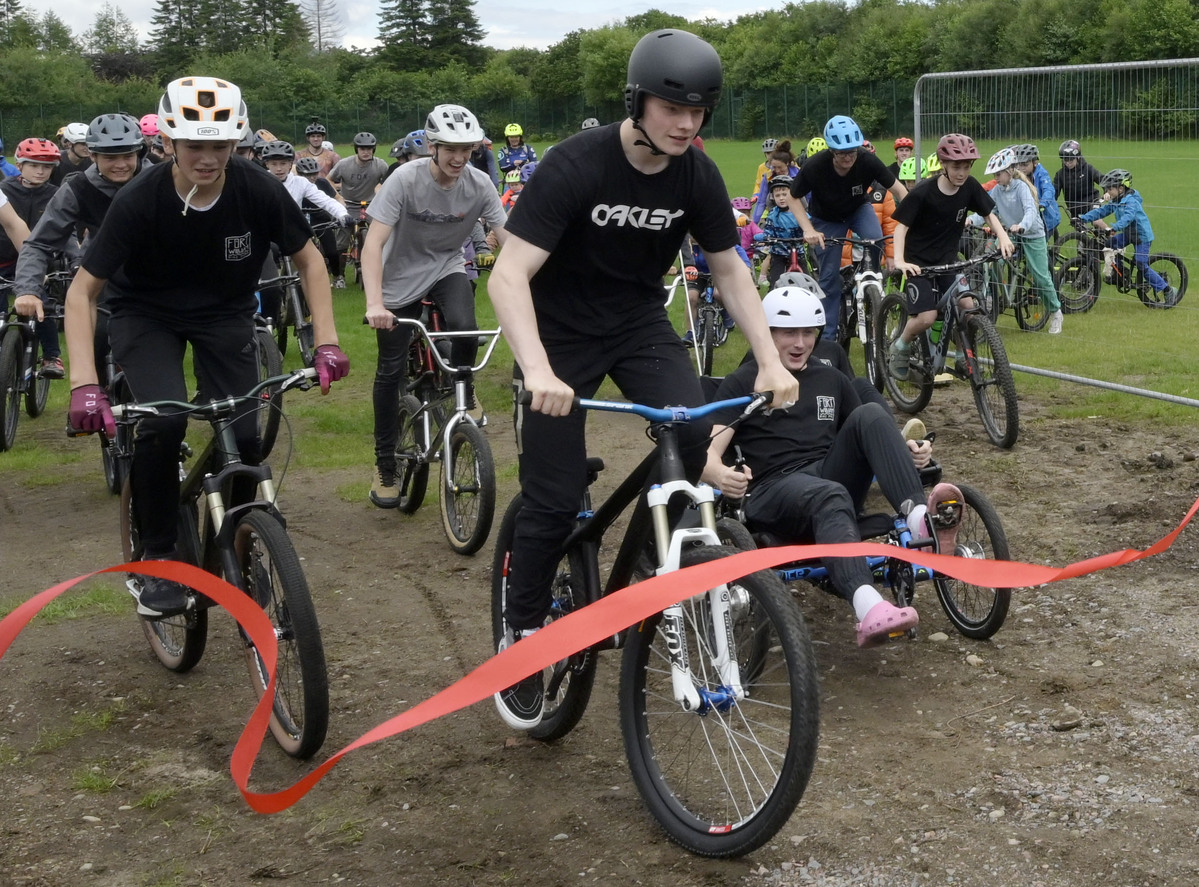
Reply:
x=948 y=515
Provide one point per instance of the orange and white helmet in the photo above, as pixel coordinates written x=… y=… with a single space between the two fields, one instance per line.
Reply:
x=202 y=109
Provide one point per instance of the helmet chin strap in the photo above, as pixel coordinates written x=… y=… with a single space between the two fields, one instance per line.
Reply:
x=653 y=149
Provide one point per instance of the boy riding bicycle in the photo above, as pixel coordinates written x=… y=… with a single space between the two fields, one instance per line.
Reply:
x=1130 y=226
x=180 y=249
x=578 y=291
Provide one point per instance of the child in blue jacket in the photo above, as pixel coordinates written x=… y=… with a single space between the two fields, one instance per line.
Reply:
x=1131 y=225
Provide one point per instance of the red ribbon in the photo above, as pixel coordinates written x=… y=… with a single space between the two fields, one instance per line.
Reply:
x=577 y=631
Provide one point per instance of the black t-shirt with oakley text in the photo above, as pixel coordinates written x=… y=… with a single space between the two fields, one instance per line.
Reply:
x=833 y=197
x=935 y=219
x=200 y=266
x=786 y=440
x=612 y=232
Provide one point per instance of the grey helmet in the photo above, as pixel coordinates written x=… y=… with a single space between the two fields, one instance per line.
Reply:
x=115 y=134
x=590 y=123
x=307 y=166
x=277 y=150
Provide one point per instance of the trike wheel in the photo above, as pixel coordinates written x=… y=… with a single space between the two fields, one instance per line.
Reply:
x=412 y=469
x=722 y=780
x=467 y=489
x=991 y=379
x=270 y=574
x=568 y=682
x=976 y=611
x=177 y=642
x=912 y=394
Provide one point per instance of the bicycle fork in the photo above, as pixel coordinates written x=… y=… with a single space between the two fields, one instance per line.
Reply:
x=698 y=699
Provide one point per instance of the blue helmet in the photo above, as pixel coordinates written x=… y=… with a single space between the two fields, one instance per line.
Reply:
x=526 y=171
x=842 y=134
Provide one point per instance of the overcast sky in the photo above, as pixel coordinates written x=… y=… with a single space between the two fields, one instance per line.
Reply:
x=506 y=25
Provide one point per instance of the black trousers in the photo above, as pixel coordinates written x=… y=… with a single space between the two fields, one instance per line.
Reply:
x=650 y=365
x=150 y=351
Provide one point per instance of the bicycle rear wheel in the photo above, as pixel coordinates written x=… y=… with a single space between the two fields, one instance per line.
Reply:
x=1173 y=271
x=1078 y=281
x=11 y=349
x=412 y=471
x=1031 y=313
x=568 y=682
x=467 y=489
x=976 y=611
x=913 y=393
x=722 y=781
x=271 y=575
x=270 y=409
x=990 y=377
x=177 y=642
x=38 y=391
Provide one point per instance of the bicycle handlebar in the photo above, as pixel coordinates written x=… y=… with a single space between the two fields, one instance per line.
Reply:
x=432 y=337
x=858 y=240
x=302 y=379
x=663 y=415
x=954 y=267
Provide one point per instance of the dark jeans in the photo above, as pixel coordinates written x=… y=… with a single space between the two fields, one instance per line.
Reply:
x=456 y=299
x=150 y=351
x=820 y=502
x=649 y=365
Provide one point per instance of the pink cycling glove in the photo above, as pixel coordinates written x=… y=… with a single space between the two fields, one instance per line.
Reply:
x=89 y=411
x=330 y=364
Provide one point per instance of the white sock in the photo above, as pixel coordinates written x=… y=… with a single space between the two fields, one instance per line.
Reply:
x=526 y=633
x=916 y=521
x=864 y=600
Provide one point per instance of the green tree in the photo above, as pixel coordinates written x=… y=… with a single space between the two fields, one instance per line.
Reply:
x=276 y=25
x=111 y=32
x=403 y=33
x=455 y=34
x=558 y=72
x=10 y=16
x=326 y=24
x=176 y=35
x=605 y=56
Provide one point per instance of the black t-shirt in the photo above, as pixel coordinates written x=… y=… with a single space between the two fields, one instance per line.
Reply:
x=1077 y=185
x=199 y=266
x=29 y=204
x=832 y=197
x=315 y=214
x=612 y=232
x=936 y=220
x=797 y=436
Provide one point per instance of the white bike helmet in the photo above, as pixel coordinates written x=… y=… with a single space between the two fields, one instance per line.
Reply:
x=1001 y=160
x=792 y=307
x=801 y=280
x=452 y=125
x=75 y=133
x=202 y=109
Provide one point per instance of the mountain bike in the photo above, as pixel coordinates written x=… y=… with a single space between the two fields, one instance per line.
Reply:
x=1003 y=283
x=357 y=235
x=20 y=373
x=797 y=256
x=719 y=704
x=1080 y=279
x=294 y=314
x=707 y=325
x=245 y=542
x=435 y=426
x=861 y=294
x=981 y=358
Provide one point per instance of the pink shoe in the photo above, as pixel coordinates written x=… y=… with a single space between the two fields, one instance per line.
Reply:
x=945 y=505
x=884 y=621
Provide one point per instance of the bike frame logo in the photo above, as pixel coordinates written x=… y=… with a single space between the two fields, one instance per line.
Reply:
x=634 y=217
x=238 y=247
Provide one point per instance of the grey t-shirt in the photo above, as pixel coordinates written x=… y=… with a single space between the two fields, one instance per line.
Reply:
x=358 y=180
x=429 y=225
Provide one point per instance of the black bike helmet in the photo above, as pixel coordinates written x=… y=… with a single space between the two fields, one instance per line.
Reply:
x=314 y=128
x=783 y=181
x=277 y=150
x=1069 y=149
x=676 y=66
x=115 y=134
x=307 y=166
x=365 y=140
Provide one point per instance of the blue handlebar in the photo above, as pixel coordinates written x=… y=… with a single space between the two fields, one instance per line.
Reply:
x=665 y=414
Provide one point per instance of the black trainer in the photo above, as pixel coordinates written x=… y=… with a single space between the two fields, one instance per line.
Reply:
x=521 y=705
x=161 y=598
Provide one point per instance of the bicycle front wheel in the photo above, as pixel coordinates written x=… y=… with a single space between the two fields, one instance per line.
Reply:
x=467 y=489
x=568 y=682
x=1173 y=271
x=1077 y=281
x=412 y=471
x=270 y=408
x=177 y=642
x=872 y=297
x=11 y=349
x=991 y=380
x=38 y=392
x=271 y=575
x=304 y=331
x=976 y=611
x=705 y=338
x=723 y=780
x=913 y=393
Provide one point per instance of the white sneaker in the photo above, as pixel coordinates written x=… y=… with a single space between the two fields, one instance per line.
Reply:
x=1055 y=323
x=1109 y=264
